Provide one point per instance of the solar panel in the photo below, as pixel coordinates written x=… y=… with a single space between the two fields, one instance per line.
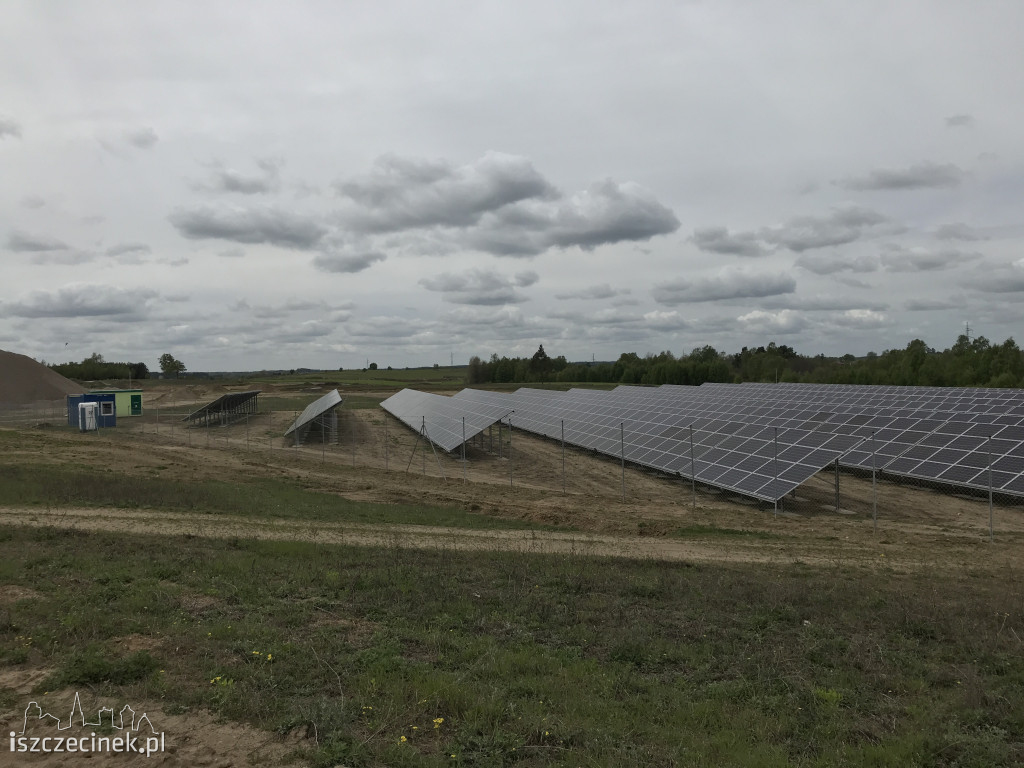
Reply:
x=225 y=407
x=440 y=418
x=313 y=411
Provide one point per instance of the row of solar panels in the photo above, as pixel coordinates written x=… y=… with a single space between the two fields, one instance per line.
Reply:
x=759 y=440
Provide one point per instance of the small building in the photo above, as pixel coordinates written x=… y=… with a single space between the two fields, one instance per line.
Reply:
x=106 y=412
x=127 y=402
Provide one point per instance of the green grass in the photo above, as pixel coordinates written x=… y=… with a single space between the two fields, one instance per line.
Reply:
x=45 y=485
x=528 y=660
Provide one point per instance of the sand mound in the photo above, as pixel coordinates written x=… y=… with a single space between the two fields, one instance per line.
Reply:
x=23 y=380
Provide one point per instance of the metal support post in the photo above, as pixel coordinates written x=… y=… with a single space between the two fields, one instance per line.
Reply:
x=622 y=456
x=563 y=457
x=693 y=471
x=776 y=442
x=386 y=446
x=874 y=488
x=837 y=485
x=247 y=432
x=463 y=449
x=423 y=431
x=991 y=530
x=509 y=451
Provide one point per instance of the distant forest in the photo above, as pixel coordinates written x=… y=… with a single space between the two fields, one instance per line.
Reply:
x=95 y=368
x=968 y=363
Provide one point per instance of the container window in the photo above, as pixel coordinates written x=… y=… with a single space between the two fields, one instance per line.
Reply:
x=107 y=409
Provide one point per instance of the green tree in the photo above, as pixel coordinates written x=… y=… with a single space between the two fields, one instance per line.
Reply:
x=171 y=366
x=541 y=365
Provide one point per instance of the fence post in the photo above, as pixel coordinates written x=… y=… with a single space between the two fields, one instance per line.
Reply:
x=386 y=447
x=509 y=450
x=464 y=449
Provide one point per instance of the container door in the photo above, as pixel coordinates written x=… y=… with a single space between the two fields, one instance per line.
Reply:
x=136 y=405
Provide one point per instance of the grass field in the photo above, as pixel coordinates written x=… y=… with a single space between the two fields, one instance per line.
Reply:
x=828 y=653
x=405 y=658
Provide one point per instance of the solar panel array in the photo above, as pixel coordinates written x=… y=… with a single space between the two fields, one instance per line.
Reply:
x=442 y=417
x=764 y=440
x=946 y=434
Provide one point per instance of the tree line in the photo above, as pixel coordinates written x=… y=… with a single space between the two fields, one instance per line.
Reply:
x=95 y=368
x=967 y=363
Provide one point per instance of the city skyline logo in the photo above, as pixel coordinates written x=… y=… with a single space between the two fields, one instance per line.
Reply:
x=137 y=734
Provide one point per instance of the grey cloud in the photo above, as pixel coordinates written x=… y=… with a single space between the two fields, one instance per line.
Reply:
x=32 y=201
x=480 y=287
x=926 y=305
x=9 y=127
x=499 y=204
x=853 y=282
x=248 y=226
x=347 y=263
x=303 y=332
x=82 y=301
x=727 y=284
x=831 y=263
x=610 y=212
x=122 y=249
x=859 y=318
x=611 y=316
x=1003 y=278
x=232 y=253
x=958 y=121
x=921 y=176
x=21 y=241
x=606 y=213
x=602 y=291
x=921 y=260
x=402 y=193
x=782 y=322
x=143 y=138
x=841 y=226
x=388 y=327
x=63 y=257
x=958 y=232
x=229 y=180
x=820 y=303
x=719 y=240
x=660 y=320
x=302 y=305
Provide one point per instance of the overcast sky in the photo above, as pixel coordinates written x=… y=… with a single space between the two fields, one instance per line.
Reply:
x=265 y=185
